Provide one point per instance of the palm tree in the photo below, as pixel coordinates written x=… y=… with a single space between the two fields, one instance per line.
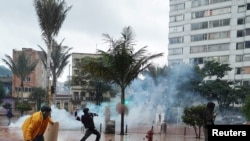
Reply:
x=21 y=67
x=51 y=14
x=155 y=72
x=120 y=64
x=59 y=60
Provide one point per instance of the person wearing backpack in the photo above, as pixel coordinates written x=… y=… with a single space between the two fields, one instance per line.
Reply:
x=88 y=121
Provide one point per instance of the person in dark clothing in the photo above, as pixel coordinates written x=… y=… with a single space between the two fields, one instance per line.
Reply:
x=88 y=122
x=208 y=118
x=9 y=115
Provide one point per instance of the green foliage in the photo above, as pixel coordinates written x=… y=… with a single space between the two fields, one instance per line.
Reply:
x=193 y=116
x=120 y=64
x=218 y=89
x=21 y=67
x=214 y=68
x=22 y=107
x=246 y=108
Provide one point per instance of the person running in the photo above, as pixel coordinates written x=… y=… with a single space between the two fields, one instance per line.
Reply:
x=88 y=121
x=35 y=125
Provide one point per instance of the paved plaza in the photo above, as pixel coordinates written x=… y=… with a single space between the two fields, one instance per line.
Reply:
x=15 y=134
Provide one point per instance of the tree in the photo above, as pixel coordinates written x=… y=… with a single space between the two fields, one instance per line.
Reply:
x=38 y=96
x=91 y=84
x=121 y=64
x=22 y=67
x=193 y=116
x=220 y=90
x=59 y=60
x=51 y=15
x=155 y=72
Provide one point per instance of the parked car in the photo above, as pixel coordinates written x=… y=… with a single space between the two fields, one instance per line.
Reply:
x=231 y=120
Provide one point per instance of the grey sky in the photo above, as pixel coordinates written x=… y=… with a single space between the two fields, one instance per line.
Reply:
x=85 y=23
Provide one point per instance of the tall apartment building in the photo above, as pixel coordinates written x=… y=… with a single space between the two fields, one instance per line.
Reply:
x=201 y=30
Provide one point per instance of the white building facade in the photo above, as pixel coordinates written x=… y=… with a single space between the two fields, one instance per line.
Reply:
x=201 y=30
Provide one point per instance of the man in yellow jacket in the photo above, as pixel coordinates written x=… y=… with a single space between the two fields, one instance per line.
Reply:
x=35 y=125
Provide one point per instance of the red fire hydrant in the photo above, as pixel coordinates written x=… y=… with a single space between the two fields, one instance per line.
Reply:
x=150 y=135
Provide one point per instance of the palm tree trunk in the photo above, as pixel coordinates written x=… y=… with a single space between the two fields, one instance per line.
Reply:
x=48 y=71
x=122 y=113
x=54 y=94
x=22 y=91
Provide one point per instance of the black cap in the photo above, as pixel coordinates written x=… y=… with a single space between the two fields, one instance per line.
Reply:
x=86 y=110
x=46 y=108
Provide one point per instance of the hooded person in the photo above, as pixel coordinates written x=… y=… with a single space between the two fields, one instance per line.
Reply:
x=35 y=125
x=88 y=121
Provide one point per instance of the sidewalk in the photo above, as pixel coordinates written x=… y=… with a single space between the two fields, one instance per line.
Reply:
x=15 y=134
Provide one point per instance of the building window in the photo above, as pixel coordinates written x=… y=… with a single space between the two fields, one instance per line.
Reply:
x=198 y=49
x=196 y=3
x=243 y=70
x=176 y=7
x=197 y=61
x=247 y=44
x=242 y=45
x=176 y=18
x=218 y=1
x=219 y=35
x=198 y=37
x=176 y=29
x=240 y=33
x=220 y=11
x=219 y=23
x=248 y=6
x=176 y=40
x=238 y=70
x=246 y=70
x=239 y=58
x=241 y=8
x=197 y=26
x=220 y=59
x=200 y=14
x=218 y=47
x=241 y=21
x=76 y=95
x=175 y=51
x=27 y=79
x=242 y=58
x=174 y=62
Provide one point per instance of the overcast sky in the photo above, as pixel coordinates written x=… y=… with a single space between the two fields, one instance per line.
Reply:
x=84 y=25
